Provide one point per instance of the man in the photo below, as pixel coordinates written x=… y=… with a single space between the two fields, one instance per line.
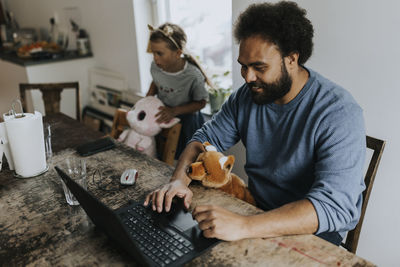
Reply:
x=304 y=137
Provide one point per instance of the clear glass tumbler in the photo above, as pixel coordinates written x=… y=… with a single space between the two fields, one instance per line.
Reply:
x=47 y=143
x=76 y=169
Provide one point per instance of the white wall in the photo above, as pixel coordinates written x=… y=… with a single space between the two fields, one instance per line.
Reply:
x=356 y=44
x=110 y=24
x=143 y=15
x=10 y=76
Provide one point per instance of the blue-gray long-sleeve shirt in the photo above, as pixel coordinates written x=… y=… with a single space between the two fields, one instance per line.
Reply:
x=311 y=148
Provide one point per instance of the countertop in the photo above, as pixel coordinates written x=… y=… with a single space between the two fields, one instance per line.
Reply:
x=12 y=57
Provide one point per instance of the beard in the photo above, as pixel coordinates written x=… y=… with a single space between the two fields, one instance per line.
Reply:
x=272 y=91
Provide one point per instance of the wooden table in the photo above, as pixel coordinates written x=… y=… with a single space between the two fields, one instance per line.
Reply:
x=38 y=227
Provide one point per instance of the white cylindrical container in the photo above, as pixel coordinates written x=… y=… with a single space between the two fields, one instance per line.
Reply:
x=26 y=140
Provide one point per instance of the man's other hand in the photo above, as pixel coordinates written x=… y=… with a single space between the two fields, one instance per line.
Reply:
x=217 y=222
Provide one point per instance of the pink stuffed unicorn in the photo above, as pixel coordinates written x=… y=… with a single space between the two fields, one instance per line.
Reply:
x=143 y=125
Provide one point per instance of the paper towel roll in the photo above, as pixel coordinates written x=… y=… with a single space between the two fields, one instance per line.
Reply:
x=25 y=136
x=6 y=146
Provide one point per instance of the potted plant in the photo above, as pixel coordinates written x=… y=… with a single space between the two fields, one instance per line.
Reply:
x=218 y=93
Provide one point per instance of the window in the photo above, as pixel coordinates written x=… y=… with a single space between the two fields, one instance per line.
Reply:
x=208 y=26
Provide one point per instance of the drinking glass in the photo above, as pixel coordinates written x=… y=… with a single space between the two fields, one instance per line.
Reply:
x=76 y=169
x=47 y=143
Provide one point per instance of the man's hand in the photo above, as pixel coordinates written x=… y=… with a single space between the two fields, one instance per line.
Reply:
x=165 y=114
x=220 y=223
x=166 y=193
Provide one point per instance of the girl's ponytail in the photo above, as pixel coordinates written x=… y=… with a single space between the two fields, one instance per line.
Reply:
x=192 y=60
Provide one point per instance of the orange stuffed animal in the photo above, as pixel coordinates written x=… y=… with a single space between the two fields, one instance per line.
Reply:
x=213 y=169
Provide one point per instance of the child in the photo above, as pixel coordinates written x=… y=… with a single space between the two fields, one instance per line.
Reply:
x=178 y=81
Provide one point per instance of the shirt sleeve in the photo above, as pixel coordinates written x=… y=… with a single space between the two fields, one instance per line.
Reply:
x=198 y=89
x=152 y=69
x=340 y=156
x=222 y=130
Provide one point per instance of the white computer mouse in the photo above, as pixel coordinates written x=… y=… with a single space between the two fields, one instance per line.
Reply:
x=129 y=176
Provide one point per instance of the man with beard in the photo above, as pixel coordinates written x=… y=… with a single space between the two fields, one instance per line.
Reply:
x=304 y=137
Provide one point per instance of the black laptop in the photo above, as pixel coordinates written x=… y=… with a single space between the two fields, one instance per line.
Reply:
x=152 y=239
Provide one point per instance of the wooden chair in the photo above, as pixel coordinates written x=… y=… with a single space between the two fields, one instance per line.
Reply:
x=377 y=146
x=51 y=94
x=119 y=123
x=166 y=141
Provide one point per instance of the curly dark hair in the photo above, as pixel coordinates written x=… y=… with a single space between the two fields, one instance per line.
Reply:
x=283 y=23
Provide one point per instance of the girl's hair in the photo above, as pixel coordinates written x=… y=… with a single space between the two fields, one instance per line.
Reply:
x=175 y=38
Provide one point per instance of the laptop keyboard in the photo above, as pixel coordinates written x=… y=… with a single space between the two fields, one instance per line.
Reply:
x=163 y=246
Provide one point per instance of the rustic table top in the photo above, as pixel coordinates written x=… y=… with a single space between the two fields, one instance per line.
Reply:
x=38 y=227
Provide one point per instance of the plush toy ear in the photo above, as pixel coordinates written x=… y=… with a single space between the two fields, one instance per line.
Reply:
x=227 y=162
x=208 y=147
x=170 y=123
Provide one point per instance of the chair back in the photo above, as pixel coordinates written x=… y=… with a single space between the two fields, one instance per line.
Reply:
x=51 y=94
x=377 y=146
x=119 y=123
x=166 y=140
